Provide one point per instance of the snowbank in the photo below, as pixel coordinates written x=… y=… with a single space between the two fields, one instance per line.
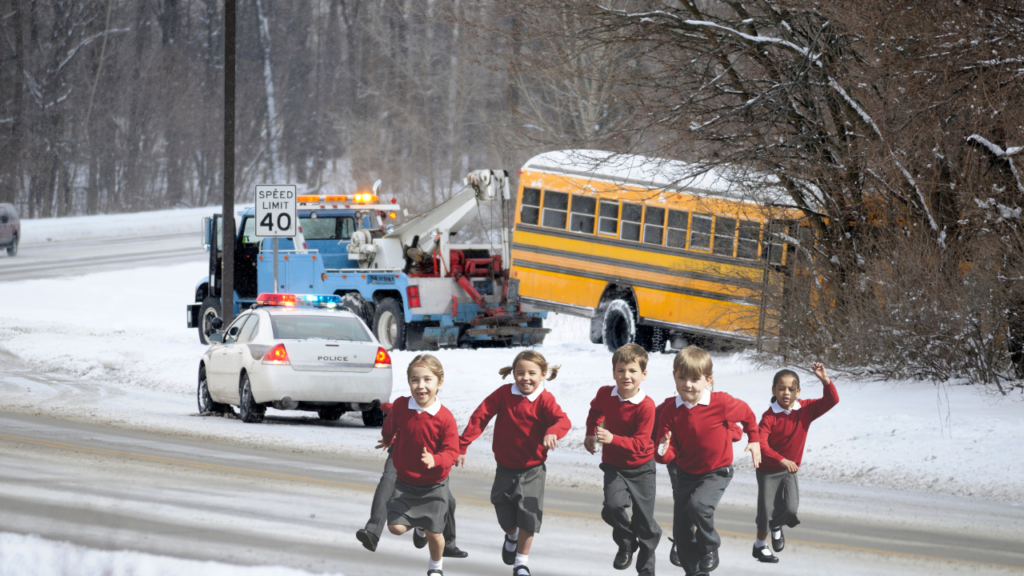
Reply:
x=33 y=556
x=178 y=221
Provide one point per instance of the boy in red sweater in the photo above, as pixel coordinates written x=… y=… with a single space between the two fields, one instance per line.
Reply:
x=529 y=423
x=694 y=432
x=627 y=459
x=783 y=431
x=425 y=445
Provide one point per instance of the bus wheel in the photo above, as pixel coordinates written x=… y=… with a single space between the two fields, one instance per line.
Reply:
x=619 y=325
x=652 y=339
x=389 y=324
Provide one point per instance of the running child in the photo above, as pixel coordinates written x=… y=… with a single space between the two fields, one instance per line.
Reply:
x=369 y=535
x=529 y=423
x=695 y=443
x=783 y=431
x=627 y=459
x=425 y=443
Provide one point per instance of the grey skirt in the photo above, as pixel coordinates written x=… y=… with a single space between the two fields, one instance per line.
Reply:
x=518 y=497
x=420 y=506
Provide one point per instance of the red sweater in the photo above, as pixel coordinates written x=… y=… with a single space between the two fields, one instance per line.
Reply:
x=520 y=428
x=735 y=432
x=408 y=431
x=631 y=424
x=700 y=435
x=784 y=435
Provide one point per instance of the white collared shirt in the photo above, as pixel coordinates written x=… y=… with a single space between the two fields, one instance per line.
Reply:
x=432 y=409
x=776 y=408
x=531 y=397
x=705 y=399
x=636 y=399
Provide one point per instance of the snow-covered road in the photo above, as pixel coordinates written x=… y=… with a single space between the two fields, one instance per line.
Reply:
x=918 y=466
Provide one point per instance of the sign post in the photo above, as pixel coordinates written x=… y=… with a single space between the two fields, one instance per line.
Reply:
x=276 y=215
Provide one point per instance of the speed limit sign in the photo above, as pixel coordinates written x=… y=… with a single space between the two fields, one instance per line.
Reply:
x=276 y=214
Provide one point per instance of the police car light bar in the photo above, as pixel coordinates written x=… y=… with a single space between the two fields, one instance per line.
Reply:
x=316 y=300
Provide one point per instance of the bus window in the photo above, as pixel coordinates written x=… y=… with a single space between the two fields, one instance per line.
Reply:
x=630 y=222
x=725 y=236
x=654 y=225
x=608 y=223
x=581 y=218
x=529 y=213
x=700 y=233
x=678 y=222
x=775 y=246
x=556 y=207
x=750 y=233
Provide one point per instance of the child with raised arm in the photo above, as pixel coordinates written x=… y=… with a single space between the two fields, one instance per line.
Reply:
x=627 y=459
x=425 y=442
x=529 y=423
x=783 y=431
x=696 y=445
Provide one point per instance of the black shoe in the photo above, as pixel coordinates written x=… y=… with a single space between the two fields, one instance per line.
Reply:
x=673 y=556
x=509 y=558
x=453 y=551
x=780 y=543
x=368 y=540
x=624 y=557
x=435 y=572
x=763 y=554
x=417 y=540
x=521 y=571
x=709 y=562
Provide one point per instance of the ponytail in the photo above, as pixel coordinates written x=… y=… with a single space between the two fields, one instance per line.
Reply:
x=772 y=401
x=504 y=372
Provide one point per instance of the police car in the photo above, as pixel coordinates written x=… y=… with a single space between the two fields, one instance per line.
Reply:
x=295 y=352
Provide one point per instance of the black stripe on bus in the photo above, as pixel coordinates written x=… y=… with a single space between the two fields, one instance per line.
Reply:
x=738 y=282
x=638 y=246
x=634 y=282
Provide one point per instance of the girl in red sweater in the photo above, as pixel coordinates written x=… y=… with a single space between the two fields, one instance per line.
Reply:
x=529 y=423
x=425 y=444
x=783 y=431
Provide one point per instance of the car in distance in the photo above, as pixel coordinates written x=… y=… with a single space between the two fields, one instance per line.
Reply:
x=295 y=352
x=10 y=228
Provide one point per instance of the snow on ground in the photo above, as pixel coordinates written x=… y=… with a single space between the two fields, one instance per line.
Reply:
x=121 y=335
x=34 y=556
x=177 y=221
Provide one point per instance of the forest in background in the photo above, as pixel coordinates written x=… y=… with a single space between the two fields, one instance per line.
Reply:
x=895 y=126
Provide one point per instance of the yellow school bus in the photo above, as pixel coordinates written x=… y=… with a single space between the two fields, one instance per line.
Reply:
x=646 y=250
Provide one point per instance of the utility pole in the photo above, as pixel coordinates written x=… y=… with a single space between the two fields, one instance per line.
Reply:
x=227 y=274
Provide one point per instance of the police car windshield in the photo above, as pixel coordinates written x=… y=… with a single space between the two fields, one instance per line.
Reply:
x=309 y=327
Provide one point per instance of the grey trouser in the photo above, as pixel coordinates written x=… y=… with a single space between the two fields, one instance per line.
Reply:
x=518 y=497
x=696 y=497
x=634 y=488
x=778 y=497
x=379 y=508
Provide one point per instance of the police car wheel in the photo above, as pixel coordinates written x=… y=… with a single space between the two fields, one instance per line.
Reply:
x=373 y=418
x=205 y=401
x=207 y=312
x=330 y=413
x=248 y=410
x=389 y=324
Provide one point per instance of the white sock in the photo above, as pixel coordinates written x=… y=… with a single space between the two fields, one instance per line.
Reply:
x=421 y=533
x=776 y=534
x=522 y=559
x=760 y=543
x=435 y=565
x=511 y=546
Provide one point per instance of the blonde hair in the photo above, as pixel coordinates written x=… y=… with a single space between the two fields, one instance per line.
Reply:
x=531 y=356
x=429 y=362
x=692 y=362
x=631 y=353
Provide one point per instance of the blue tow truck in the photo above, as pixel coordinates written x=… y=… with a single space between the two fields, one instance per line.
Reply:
x=411 y=286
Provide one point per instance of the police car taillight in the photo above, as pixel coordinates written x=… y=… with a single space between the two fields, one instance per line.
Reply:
x=383 y=359
x=276 y=355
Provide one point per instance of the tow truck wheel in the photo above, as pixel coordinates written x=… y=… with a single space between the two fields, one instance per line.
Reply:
x=248 y=410
x=389 y=324
x=207 y=312
x=374 y=417
x=205 y=401
x=12 y=248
